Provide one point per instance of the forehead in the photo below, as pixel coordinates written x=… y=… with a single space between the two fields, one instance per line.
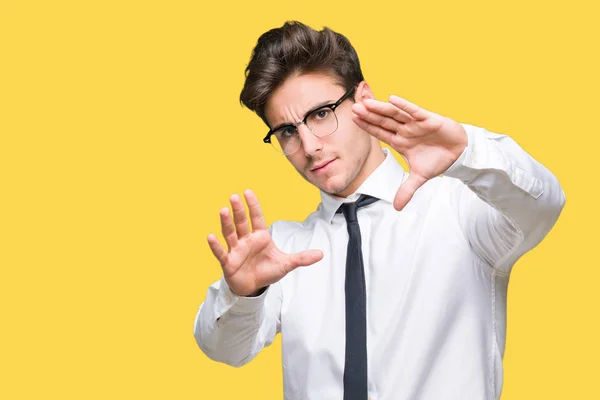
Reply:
x=300 y=93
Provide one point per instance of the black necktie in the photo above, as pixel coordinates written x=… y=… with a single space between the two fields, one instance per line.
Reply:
x=355 y=368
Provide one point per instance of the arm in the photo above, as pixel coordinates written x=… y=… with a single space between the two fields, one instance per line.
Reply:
x=509 y=201
x=234 y=329
x=238 y=318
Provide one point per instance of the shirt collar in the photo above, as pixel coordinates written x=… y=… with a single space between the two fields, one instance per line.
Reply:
x=383 y=183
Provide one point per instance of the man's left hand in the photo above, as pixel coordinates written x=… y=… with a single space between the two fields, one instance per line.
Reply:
x=429 y=142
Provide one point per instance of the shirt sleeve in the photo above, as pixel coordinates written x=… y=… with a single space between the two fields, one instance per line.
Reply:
x=234 y=329
x=508 y=202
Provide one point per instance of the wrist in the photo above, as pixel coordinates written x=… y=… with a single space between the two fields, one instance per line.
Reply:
x=258 y=292
x=253 y=294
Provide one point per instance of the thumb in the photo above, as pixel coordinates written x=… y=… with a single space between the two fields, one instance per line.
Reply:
x=407 y=190
x=305 y=258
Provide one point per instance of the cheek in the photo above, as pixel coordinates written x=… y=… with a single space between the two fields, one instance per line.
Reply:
x=354 y=139
x=297 y=160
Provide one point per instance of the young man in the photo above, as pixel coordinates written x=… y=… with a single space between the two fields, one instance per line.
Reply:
x=403 y=290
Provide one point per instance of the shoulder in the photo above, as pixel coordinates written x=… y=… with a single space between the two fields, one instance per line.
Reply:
x=288 y=227
x=284 y=231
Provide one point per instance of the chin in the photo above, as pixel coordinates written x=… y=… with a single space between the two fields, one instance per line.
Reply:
x=334 y=185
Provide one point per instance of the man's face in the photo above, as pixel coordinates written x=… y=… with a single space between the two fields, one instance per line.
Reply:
x=335 y=163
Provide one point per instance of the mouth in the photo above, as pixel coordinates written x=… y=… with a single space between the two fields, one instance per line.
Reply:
x=323 y=166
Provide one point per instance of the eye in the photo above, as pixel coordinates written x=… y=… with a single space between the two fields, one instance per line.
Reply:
x=286 y=132
x=322 y=113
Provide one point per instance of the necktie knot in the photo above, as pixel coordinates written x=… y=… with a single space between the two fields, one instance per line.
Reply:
x=350 y=209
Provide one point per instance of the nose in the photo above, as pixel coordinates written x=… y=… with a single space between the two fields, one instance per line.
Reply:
x=310 y=143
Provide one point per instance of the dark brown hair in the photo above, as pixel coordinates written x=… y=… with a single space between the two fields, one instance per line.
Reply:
x=296 y=48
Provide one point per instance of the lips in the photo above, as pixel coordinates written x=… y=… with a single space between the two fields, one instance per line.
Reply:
x=322 y=165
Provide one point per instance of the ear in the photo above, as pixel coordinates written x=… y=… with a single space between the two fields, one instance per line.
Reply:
x=363 y=91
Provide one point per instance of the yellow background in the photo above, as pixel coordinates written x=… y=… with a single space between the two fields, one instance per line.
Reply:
x=122 y=136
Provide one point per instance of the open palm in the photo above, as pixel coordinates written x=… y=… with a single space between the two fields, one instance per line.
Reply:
x=252 y=260
x=429 y=142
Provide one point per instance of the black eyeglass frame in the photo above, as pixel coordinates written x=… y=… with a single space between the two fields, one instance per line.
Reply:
x=332 y=107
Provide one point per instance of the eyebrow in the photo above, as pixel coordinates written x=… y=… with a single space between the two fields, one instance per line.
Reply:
x=315 y=107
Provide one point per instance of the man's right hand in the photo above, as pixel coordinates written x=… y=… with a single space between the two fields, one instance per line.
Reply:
x=252 y=260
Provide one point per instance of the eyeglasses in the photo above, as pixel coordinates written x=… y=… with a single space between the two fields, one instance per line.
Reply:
x=321 y=121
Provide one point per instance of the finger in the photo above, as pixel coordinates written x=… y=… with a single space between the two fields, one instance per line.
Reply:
x=239 y=216
x=382 y=134
x=396 y=141
x=256 y=216
x=411 y=109
x=305 y=258
x=227 y=228
x=219 y=252
x=382 y=121
x=407 y=190
x=388 y=110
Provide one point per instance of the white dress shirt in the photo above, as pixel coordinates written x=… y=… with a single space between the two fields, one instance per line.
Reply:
x=436 y=279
